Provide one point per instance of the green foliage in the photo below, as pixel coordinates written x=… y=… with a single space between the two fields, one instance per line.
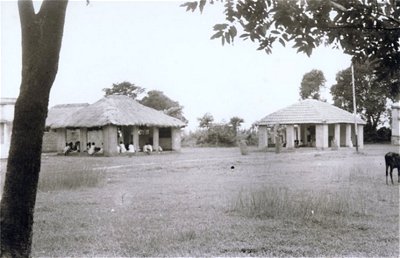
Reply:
x=235 y=122
x=221 y=134
x=371 y=96
x=124 y=88
x=159 y=101
x=311 y=84
x=364 y=29
x=383 y=134
x=206 y=120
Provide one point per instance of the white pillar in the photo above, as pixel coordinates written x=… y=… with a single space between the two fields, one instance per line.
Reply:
x=156 y=139
x=135 y=133
x=176 y=138
x=337 y=135
x=83 y=139
x=298 y=136
x=61 y=139
x=348 y=142
x=396 y=123
x=262 y=137
x=360 y=136
x=290 y=136
x=110 y=140
x=7 y=135
x=321 y=136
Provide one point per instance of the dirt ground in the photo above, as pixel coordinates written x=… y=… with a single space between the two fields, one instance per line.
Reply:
x=182 y=204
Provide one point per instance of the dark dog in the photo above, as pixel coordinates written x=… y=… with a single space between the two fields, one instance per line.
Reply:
x=392 y=160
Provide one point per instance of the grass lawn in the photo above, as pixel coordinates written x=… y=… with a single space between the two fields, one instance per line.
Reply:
x=217 y=202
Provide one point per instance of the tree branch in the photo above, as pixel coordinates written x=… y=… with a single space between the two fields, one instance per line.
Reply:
x=362 y=28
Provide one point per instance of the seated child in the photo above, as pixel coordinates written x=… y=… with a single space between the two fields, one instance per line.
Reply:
x=131 y=148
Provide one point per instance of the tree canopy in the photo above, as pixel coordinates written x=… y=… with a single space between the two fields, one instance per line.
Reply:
x=124 y=88
x=206 y=120
x=311 y=84
x=370 y=95
x=158 y=100
x=364 y=29
x=236 y=122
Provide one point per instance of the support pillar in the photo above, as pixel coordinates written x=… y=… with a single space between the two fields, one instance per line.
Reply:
x=156 y=139
x=396 y=123
x=348 y=142
x=135 y=133
x=83 y=139
x=337 y=136
x=298 y=135
x=321 y=136
x=360 y=136
x=290 y=136
x=7 y=133
x=176 y=139
x=61 y=139
x=262 y=137
x=110 y=140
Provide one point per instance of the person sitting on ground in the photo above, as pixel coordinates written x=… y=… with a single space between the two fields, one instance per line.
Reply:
x=99 y=150
x=131 y=147
x=122 y=147
x=92 y=149
x=147 y=148
x=77 y=146
x=67 y=149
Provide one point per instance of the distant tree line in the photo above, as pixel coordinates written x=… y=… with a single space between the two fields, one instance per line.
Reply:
x=222 y=134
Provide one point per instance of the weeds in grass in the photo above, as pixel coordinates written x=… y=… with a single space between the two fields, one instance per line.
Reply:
x=275 y=202
x=71 y=179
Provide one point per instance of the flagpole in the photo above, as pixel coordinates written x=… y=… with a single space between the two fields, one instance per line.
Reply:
x=354 y=105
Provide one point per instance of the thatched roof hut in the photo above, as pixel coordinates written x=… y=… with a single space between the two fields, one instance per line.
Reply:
x=117 y=110
x=112 y=120
x=313 y=123
x=58 y=114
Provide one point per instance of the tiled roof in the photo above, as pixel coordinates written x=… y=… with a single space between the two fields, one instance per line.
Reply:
x=310 y=111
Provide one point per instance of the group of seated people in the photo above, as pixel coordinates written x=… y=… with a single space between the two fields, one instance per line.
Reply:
x=91 y=148
x=147 y=148
x=122 y=148
x=70 y=147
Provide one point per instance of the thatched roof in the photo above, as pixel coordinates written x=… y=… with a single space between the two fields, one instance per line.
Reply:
x=118 y=110
x=58 y=114
x=310 y=111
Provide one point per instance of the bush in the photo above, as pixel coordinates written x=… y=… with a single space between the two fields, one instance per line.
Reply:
x=384 y=134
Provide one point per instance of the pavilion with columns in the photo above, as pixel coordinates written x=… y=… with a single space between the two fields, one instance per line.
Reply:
x=311 y=123
x=111 y=120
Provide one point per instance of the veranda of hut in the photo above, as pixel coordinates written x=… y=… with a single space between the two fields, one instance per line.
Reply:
x=311 y=123
x=112 y=120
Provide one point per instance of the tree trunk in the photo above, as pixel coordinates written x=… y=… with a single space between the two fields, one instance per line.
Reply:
x=41 y=44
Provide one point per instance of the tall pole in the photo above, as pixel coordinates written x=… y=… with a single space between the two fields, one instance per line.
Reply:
x=354 y=105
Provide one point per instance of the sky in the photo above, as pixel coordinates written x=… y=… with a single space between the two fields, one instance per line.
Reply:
x=159 y=46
